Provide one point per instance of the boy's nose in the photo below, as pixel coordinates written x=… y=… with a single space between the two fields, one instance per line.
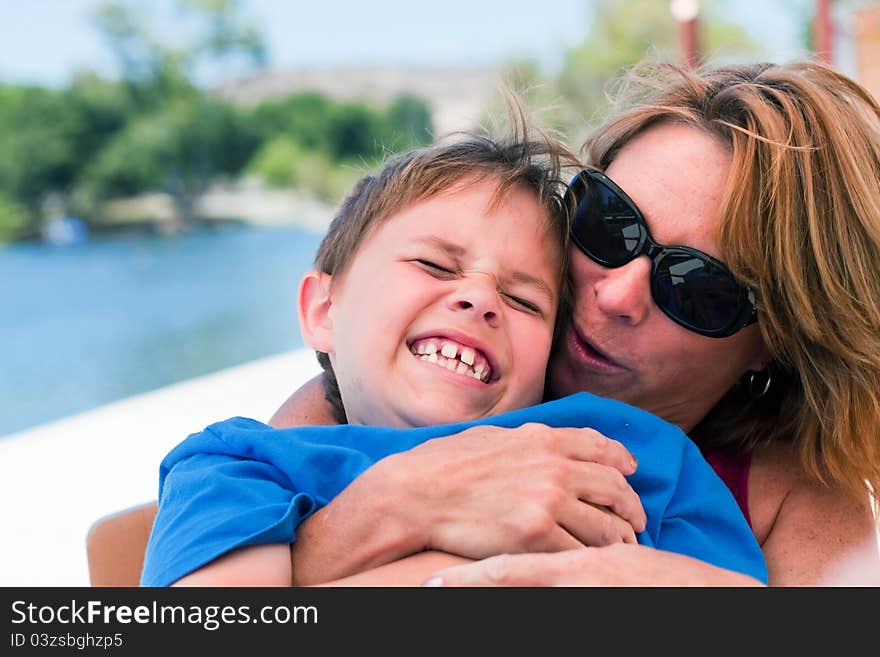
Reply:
x=479 y=298
x=625 y=292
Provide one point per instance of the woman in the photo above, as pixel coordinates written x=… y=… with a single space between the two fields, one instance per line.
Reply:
x=769 y=361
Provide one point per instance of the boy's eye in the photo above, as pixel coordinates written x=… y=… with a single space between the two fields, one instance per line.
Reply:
x=524 y=304
x=434 y=268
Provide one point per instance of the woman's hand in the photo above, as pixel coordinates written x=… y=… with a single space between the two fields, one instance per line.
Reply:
x=612 y=565
x=531 y=489
x=485 y=491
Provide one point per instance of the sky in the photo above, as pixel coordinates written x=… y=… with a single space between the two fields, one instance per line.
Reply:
x=46 y=41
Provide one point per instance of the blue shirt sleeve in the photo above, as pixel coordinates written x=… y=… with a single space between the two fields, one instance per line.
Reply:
x=241 y=482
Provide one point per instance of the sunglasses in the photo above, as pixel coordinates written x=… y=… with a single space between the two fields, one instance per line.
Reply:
x=692 y=288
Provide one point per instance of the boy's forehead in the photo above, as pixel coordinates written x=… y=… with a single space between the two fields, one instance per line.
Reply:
x=499 y=193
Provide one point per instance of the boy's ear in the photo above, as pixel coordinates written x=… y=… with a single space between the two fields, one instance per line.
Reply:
x=313 y=308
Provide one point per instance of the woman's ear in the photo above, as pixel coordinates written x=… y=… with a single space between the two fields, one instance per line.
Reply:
x=761 y=359
x=313 y=307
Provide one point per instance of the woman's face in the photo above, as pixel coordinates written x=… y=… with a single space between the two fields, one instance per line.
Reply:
x=620 y=344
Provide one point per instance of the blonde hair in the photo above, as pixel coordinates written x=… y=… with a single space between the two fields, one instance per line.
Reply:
x=801 y=226
x=523 y=157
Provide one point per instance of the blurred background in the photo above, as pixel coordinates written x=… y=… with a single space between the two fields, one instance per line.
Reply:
x=167 y=169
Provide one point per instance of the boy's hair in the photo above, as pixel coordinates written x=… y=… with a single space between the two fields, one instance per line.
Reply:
x=515 y=159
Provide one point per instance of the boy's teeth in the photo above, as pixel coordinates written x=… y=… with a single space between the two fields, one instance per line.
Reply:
x=453 y=356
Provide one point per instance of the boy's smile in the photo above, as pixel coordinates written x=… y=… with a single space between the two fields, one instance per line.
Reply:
x=446 y=312
x=465 y=359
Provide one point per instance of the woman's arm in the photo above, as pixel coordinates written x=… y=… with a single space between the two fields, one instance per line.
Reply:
x=611 y=565
x=477 y=497
x=307 y=406
x=259 y=565
x=409 y=571
x=485 y=491
x=810 y=535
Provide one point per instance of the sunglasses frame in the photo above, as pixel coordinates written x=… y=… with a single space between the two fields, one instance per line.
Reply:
x=745 y=314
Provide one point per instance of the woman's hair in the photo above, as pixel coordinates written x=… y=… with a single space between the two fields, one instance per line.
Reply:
x=522 y=157
x=800 y=224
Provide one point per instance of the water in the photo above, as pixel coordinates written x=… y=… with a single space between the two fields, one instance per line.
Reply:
x=93 y=323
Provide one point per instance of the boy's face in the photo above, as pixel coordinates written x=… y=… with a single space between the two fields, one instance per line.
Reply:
x=446 y=312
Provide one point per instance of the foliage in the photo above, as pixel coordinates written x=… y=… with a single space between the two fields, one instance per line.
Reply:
x=283 y=163
x=224 y=37
x=409 y=122
x=622 y=34
x=317 y=144
x=156 y=129
x=36 y=146
x=345 y=130
x=13 y=218
x=93 y=141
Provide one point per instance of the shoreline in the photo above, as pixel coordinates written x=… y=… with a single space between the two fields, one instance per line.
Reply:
x=244 y=201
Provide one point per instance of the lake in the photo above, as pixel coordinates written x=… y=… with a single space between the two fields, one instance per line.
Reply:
x=88 y=324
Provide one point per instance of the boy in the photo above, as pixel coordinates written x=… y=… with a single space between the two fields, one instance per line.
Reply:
x=434 y=301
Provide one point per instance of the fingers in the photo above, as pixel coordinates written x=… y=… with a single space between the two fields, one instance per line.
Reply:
x=605 y=487
x=589 y=445
x=501 y=570
x=490 y=490
x=595 y=525
x=531 y=569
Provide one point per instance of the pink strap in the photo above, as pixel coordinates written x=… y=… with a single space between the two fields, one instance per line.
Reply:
x=733 y=468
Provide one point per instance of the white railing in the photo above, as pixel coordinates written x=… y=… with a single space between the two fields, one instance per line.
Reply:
x=57 y=479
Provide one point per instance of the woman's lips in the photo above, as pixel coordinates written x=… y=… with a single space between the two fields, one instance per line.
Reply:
x=588 y=355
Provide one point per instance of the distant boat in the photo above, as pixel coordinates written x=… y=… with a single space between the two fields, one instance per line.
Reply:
x=65 y=231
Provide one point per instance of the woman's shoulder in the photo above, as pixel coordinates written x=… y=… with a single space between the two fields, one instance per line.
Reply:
x=774 y=472
x=781 y=492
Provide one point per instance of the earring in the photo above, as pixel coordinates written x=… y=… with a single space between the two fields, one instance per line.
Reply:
x=757 y=387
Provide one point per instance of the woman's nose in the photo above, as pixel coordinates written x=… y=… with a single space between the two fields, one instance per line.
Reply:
x=479 y=297
x=625 y=292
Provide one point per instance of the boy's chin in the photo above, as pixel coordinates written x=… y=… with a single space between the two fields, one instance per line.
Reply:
x=446 y=413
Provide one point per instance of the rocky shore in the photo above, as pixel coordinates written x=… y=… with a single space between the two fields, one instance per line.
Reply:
x=246 y=200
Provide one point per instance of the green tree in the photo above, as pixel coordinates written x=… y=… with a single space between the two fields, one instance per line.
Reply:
x=621 y=34
x=409 y=120
x=194 y=137
x=48 y=137
x=37 y=136
x=303 y=117
x=224 y=36
x=357 y=132
x=283 y=163
x=178 y=149
x=15 y=220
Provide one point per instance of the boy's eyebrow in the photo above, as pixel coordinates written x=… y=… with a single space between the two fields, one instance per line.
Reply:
x=457 y=251
x=451 y=248
x=527 y=279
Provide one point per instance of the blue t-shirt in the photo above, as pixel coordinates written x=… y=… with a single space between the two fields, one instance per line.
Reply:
x=241 y=482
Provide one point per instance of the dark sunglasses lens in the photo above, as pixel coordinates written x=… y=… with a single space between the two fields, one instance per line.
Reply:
x=695 y=292
x=605 y=226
